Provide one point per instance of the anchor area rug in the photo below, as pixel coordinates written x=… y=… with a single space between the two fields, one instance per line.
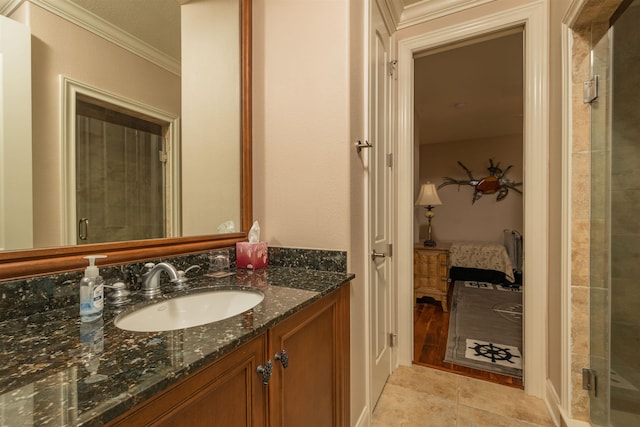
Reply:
x=485 y=328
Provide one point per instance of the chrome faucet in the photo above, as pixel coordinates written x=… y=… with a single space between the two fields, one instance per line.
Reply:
x=151 y=279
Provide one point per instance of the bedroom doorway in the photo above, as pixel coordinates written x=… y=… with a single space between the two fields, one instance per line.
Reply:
x=534 y=19
x=468 y=109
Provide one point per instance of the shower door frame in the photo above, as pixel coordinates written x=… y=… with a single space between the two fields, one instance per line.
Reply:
x=70 y=89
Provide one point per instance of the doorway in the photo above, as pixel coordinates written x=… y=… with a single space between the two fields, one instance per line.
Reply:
x=534 y=20
x=468 y=109
x=93 y=112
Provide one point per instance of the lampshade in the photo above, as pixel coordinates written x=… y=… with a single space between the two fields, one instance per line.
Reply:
x=428 y=195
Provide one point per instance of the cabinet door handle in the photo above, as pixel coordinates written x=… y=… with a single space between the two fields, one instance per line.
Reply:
x=283 y=357
x=265 y=371
x=375 y=255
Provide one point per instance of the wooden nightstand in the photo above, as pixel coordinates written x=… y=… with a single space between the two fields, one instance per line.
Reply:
x=431 y=273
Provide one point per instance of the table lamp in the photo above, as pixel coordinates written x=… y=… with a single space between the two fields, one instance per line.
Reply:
x=428 y=198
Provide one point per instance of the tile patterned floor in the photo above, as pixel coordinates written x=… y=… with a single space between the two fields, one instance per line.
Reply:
x=425 y=397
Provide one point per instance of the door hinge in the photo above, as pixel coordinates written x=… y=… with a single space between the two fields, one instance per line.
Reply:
x=393 y=339
x=390 y=160
x=390 y=249
x=162 y=156
x=590 y=380
x=392 y=67
x=590 y=90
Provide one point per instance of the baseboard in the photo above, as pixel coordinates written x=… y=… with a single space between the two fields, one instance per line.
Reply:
x=559 y=415
x=552 y=401
x=363 y=420
x=569 y=422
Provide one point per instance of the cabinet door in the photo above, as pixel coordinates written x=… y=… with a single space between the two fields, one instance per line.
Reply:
x=314 y=389
x=226 y=393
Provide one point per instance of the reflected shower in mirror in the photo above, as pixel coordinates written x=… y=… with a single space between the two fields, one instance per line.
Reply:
x=120 y=176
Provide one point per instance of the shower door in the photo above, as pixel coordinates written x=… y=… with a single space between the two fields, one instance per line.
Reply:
x=615 y=228
x=120 y=177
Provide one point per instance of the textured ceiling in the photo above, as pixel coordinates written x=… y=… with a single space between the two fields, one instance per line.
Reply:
x=156 y=22
x=470 y=91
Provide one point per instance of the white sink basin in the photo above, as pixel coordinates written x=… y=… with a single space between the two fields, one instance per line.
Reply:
x=189 y=310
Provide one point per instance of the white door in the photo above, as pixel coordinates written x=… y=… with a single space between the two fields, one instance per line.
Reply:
x=380 y=207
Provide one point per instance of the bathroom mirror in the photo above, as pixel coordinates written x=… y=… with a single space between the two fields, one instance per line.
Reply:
x=53 y=258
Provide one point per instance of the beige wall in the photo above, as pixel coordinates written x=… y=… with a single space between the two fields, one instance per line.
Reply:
x=59 y=47
x=457 y=218
x=308 y=109
x=301 y=123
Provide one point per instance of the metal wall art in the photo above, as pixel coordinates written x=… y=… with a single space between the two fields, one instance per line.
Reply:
x=494 y=183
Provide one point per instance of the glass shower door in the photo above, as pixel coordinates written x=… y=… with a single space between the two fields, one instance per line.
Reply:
x=600 y=244
x=120 y=179
x=615 y=235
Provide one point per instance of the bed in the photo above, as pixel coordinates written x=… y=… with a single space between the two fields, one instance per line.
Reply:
x=480 y=261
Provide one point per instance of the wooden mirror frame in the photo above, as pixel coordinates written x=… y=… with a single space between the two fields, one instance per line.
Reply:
x=25 y=263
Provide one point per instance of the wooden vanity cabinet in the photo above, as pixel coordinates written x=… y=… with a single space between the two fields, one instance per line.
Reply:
x=313 y=390
x=228 y=392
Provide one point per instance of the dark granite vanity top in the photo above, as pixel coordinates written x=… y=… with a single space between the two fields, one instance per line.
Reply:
x=45 y=378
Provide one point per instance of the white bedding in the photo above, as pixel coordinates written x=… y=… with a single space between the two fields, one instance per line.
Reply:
x=481 y=255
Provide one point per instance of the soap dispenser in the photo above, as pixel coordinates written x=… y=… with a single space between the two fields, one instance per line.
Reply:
x=91 y=291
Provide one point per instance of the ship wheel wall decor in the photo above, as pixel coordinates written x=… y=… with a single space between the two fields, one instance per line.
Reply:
x=496 y=182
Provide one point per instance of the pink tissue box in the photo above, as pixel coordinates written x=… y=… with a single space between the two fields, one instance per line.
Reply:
x=251 y=255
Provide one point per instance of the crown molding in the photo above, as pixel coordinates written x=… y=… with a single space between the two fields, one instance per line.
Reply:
x=427 y=10
x=8 y=6
x=71 y=12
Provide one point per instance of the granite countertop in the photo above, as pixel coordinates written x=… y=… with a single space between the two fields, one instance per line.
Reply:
x=45 y=376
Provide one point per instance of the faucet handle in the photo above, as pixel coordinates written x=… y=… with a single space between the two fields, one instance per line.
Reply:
x=193 y=267
x=180 y=282
x=119 y=294
x=149 y=265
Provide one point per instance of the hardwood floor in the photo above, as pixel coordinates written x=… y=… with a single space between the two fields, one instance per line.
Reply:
x=431 y=326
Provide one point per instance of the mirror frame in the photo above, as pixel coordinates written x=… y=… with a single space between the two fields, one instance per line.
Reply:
x=34 y=262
